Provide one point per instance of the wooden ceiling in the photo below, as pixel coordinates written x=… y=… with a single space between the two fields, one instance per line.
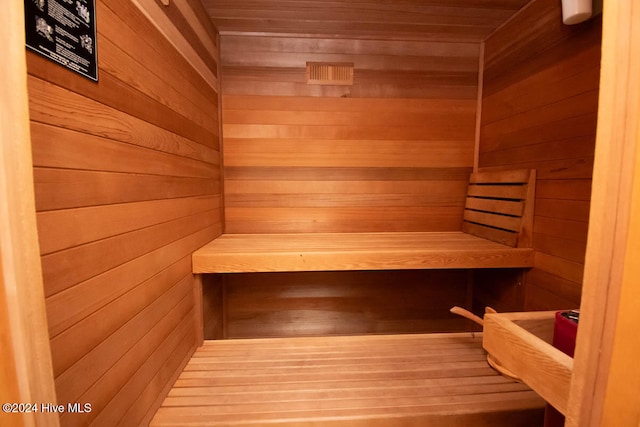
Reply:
x=451 y=20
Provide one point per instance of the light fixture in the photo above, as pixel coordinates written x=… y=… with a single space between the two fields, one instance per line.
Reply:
x=576 y=11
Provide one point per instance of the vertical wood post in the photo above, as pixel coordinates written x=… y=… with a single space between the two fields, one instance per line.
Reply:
x=26 y=375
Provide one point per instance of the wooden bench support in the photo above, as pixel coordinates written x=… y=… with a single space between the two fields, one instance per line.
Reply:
x=383 y=380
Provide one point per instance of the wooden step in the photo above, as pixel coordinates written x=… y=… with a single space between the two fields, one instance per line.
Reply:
x=380 y=380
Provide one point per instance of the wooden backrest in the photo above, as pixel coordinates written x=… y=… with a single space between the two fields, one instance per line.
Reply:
x=499 y=206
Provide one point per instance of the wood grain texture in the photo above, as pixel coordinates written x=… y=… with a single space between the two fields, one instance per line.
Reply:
x=522 y=344
x=321 y=251
x=25 y=371
x=354 y=251
x=102 y=372
x=337 y=303
x=500 y=289
x=128 y=186
x=539 y=110
x=604 y=370
x=389 y=153
x=399 y=380
x=271 y=66
x=405 y=20
x=214 y=307
x=499 y=206
x=348 y=160
x=195 y=46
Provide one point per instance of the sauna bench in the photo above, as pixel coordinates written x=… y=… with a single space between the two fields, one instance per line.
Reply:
x=381 y=380
x=241 y=253
x=495 y=232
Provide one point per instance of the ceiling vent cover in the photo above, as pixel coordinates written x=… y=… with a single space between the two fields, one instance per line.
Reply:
x=329 y=73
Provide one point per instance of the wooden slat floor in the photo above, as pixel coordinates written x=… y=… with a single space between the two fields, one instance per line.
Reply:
x=379 y=380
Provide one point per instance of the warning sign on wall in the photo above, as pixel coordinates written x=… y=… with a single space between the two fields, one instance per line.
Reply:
x=64 y=31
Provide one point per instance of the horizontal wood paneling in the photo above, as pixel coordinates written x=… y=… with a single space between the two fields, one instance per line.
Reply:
x=365 y=19
x=73 y=111
x=341 y=164
x=70 y=306
x=271 y=66
x=352 y=153
x=127 y=179
x=64 y=189
x=294 y=304
x=76 y=341
x=73 y=227
x=539 y=110
x=393 y=152
x=64 y=269
x=331 y=220
x=123 y=369
x=167 y=360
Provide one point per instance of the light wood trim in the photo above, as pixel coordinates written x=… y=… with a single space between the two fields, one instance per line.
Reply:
x=221 y=136
x=24 y=323
x=476 y=148
x=199 y=310
x=622 y=401
x=157 y=16
x=609 y=259
x=204 y=34
x=525 y=239
x=512 y=339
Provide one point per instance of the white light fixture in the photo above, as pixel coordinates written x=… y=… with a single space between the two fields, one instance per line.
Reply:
x=575 y=11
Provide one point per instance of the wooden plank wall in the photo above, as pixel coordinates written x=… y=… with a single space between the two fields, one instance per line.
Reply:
x=343 y=303
x=127 y=181
x=393 y=152
x=540 y=100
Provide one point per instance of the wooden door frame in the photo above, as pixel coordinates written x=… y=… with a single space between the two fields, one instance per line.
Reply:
x=27 y=374
x=600 y=393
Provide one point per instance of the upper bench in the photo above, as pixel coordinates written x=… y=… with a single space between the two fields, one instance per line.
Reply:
x=495 y=233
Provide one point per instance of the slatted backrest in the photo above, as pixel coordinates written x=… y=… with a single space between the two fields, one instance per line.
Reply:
x=499 y=206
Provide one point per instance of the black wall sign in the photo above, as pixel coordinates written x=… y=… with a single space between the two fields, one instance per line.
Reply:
x=65 y=32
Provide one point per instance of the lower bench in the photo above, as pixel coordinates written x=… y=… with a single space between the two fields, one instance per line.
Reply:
x=382 y=380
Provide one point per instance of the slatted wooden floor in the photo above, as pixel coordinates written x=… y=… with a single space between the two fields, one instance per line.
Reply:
x=383 y=380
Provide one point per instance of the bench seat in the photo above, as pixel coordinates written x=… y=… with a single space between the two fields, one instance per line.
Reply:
x=495 y=233
x=382 y=380
x=237 y=253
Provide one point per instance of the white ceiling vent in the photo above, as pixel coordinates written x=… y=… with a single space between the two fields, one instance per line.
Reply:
x=329 y=73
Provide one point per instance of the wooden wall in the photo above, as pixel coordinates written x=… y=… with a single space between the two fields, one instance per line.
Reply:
x=540 y=100
x=127 y=182
x=393 y=152
x=343 y=303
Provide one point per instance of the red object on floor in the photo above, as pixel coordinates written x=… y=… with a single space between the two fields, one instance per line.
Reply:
x=564 y=339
